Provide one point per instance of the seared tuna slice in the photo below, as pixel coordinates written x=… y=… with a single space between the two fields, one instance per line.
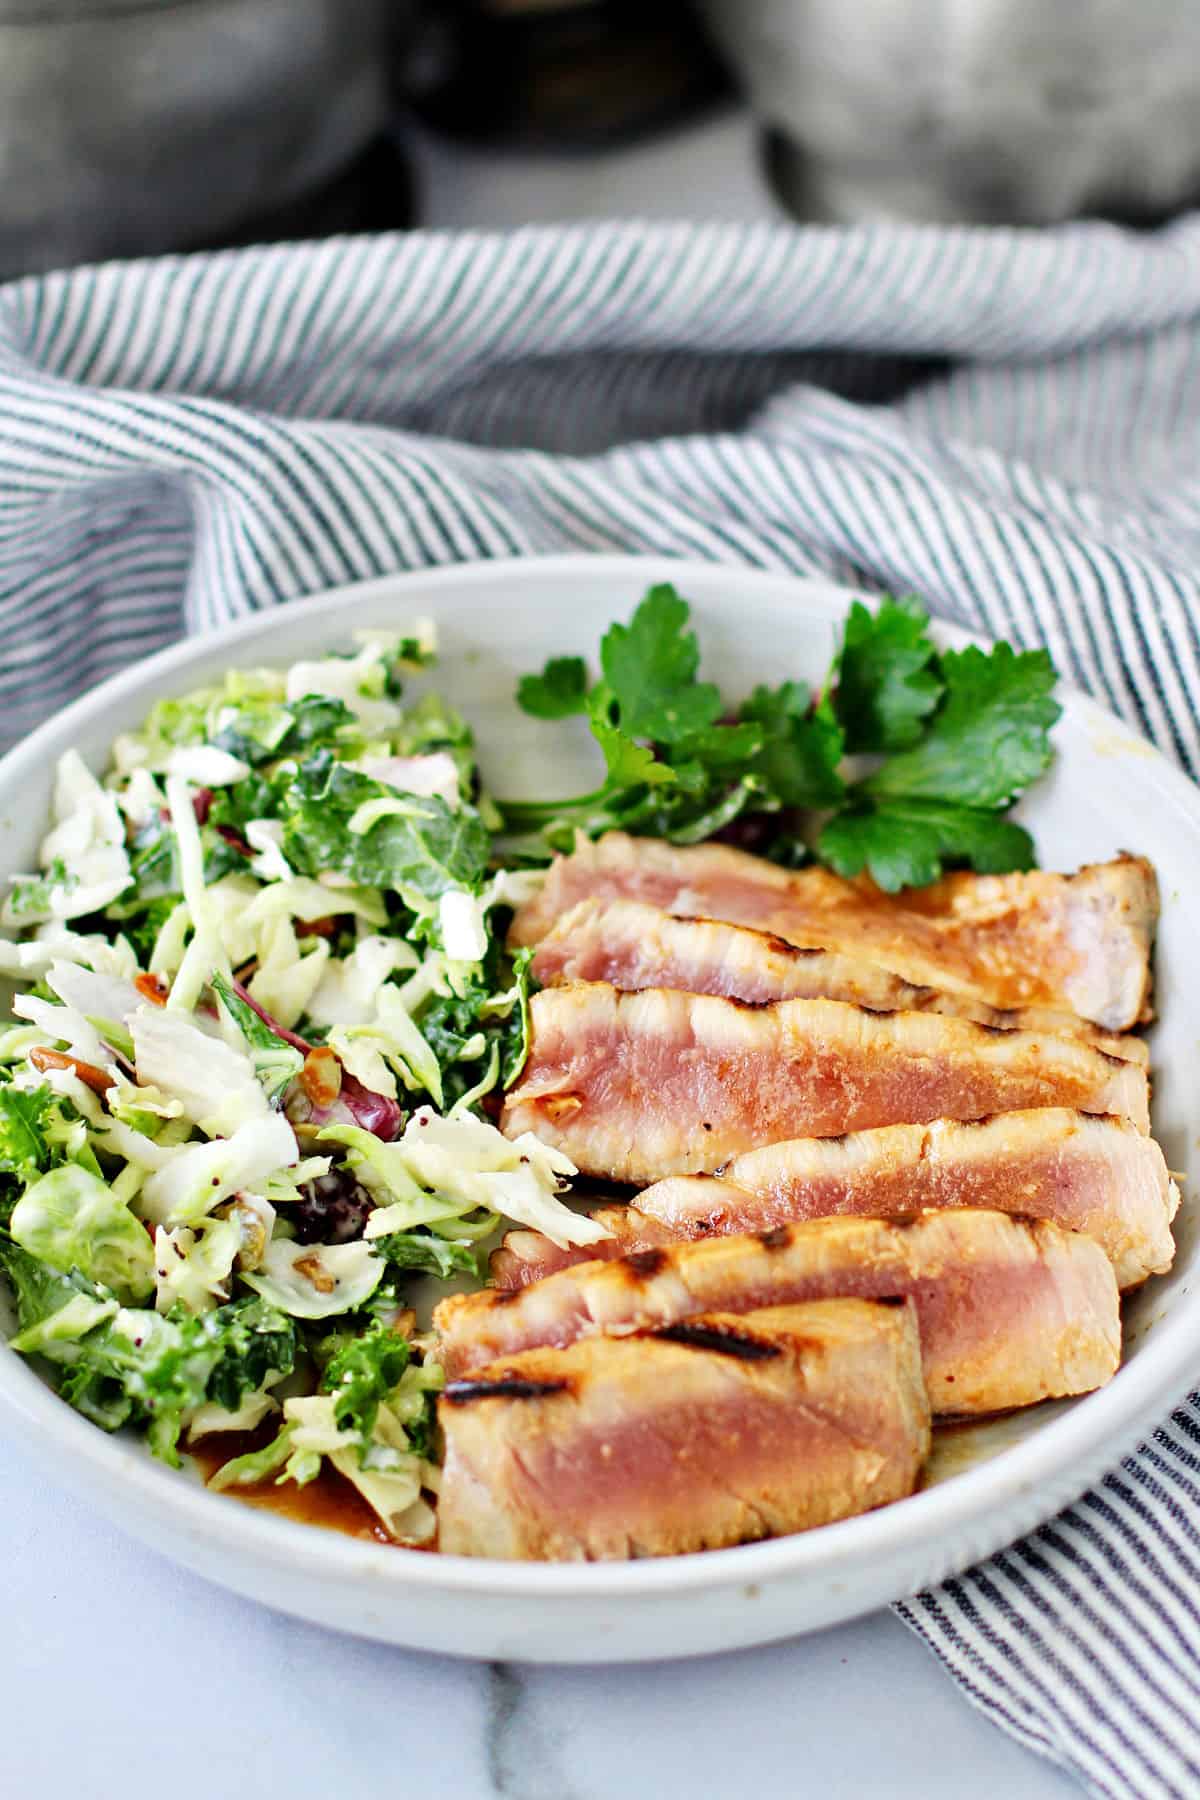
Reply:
x=636 y=946
x=712 y=1432
x=1011 y=1311
x=635 y=1087
x=1095 y=1175
x=527 y=1256
x=1079 y=943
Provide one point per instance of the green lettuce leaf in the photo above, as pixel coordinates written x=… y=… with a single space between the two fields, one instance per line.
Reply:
x=675 y=768
x=483 y=1028
x=801 y=746
x=255 y=797
x=276 y=1062
x=29 y=896
x=154 y=866
x=959 y=736
x=25 y=1115
x=263 y=734
x=360 y=1373
x=650 y=669
x=420 y=1253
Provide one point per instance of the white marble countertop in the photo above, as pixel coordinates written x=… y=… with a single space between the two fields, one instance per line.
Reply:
x=122 y=1675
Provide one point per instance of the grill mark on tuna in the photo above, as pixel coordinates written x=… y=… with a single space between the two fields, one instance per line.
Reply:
x=771 y=939
x=722 y=1339
x=503 y=1387
x=646 y=1263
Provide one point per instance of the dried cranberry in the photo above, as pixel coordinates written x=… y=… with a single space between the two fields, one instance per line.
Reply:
x=332 y=1210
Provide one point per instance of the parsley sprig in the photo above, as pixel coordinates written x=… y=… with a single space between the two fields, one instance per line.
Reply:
x=962 y=733
x=677 y=765
x=953 y=738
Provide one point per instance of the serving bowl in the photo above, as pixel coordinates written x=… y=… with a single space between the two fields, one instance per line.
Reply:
x=987 y=1483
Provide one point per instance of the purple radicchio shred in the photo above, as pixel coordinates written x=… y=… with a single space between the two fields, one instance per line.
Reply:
x=202 y=801
x=289 y=1037
x=355 y=1104
x=235 y=840
x=376 y=1113
x=757 y=831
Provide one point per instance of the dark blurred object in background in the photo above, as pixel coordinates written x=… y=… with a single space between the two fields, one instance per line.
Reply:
x=565 y=75
x=129 y=127
x=1021 y=112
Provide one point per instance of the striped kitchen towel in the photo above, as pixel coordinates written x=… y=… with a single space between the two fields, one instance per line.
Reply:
x=1006 y=423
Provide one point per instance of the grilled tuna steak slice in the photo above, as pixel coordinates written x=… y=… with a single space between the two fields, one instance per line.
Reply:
x=1011 y=1311
x=1095 y=1175
x=636 y=946
x=639 y=1086
x=711 y=1432
x=1079 y=943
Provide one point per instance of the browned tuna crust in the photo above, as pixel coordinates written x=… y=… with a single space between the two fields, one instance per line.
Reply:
x=524 y=1256
x=636 y=1087
x=634 y=946
x=1095 y=1175
x=1011 y=1311
x=1079 y=943
x=706 y=1433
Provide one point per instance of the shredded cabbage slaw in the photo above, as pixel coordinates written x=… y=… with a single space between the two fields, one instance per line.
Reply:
x=262 y=1004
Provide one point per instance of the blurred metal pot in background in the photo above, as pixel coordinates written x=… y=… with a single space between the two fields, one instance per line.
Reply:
x=561 y=75
x=133 y=126
x=1022 y=111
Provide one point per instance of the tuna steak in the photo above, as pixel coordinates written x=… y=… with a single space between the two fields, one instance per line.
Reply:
x=1079 y=943
x=710 y=1432
x=1011 y=1311
x=635 y=1087
x=1095 y=1175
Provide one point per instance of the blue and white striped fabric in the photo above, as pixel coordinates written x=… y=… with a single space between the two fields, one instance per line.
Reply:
x=1005 y=423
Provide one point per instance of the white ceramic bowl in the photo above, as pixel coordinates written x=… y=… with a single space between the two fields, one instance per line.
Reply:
x=1107 y=791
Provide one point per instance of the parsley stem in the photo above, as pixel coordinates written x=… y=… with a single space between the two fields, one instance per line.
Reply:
x=532 y=812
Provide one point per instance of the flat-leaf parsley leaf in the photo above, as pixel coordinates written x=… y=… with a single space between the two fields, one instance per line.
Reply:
x=954 y=737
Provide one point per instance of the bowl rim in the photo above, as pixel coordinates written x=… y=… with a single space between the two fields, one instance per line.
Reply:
x=1105 y=1423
